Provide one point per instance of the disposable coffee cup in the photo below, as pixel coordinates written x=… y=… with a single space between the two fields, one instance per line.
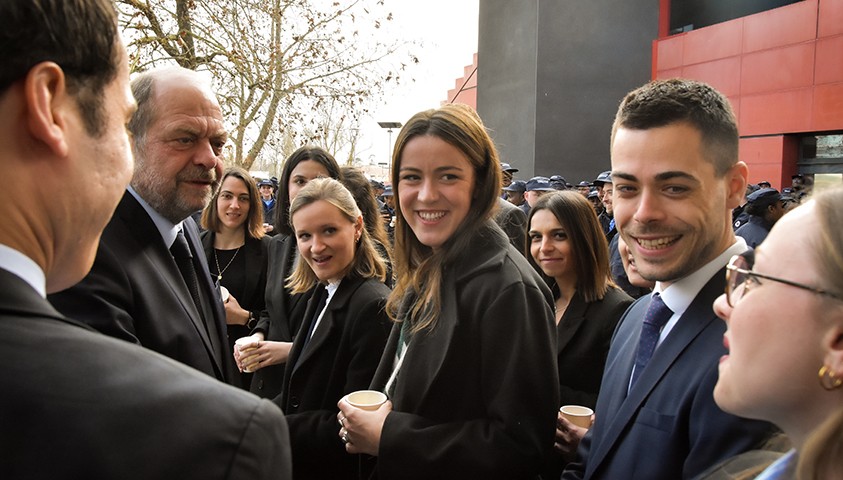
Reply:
x=243 y=345
x=366 y=399
x=244 y=342
x=224 y=294
x=578 y=415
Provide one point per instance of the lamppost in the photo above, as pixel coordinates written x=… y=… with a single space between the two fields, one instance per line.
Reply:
x=389 y=126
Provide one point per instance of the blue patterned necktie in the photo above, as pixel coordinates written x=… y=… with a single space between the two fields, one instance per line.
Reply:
x=656 y=317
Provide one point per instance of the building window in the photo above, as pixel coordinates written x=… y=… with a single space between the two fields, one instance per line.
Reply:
x=821 y=153
x=687 y=15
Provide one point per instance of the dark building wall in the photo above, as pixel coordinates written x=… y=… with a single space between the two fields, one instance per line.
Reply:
x=506 y=91
x=553 y=85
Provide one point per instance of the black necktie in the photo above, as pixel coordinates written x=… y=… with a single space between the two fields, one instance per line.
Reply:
x=656 y=317
x=321 y=294
x=184 y=260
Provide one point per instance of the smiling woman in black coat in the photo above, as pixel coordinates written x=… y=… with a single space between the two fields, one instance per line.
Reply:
x=470 y=366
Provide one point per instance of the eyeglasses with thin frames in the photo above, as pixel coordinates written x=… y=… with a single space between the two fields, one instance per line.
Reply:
x=740 y=278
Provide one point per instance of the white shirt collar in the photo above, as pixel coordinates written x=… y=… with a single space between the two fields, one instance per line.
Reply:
x=679 y=294
x=166 y=228
x=24 y=267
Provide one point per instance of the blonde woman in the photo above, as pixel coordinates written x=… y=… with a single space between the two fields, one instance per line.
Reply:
x=784 y=310
x=344 y=328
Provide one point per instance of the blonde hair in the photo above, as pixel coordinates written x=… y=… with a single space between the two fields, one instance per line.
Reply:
x=829 y=243
x=367 y=263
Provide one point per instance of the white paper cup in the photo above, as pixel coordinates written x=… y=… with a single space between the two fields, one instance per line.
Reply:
x=224 y=294
x=366 y=399
x=243 y=345
x=578 y=415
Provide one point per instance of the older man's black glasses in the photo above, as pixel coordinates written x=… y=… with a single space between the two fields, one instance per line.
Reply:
x=740 y=278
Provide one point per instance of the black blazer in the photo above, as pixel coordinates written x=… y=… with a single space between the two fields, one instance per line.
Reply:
x=583 y=336
x=78 y=404
x=667 y=426
x=283 y=313
x=254 y=252
x=477 y=396
x=135 y=292
x=340 y=358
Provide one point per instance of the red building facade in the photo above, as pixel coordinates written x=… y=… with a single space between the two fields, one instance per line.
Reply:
x=782 y=69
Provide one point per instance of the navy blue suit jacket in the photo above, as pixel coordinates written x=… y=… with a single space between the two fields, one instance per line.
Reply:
x=668 y=426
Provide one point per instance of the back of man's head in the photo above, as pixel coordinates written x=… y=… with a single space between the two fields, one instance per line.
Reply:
x=665 y=102
x=77 y=35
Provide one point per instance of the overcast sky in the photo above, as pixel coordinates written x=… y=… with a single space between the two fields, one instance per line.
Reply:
x=446 y=35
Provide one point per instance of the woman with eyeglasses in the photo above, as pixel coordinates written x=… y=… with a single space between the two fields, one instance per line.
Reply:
x=784 y=311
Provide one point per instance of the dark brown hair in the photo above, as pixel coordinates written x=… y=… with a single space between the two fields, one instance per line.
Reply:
x=80 y=36
x=588 y=242
x=665 y=102
x=254 y=220
x=282 y=206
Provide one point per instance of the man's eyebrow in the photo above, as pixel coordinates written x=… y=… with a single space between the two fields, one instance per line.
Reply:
x=625 y=176
x=664 y=176
x=677 y=174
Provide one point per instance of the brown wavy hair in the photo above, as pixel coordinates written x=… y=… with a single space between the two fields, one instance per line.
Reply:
x=588 y=242
x=254 y=220
x=418 y=269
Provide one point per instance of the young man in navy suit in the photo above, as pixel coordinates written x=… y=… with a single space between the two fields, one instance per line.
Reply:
x=76 y=403
x=676 y=180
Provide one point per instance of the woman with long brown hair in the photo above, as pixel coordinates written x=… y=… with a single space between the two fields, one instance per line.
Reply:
x=470 y=366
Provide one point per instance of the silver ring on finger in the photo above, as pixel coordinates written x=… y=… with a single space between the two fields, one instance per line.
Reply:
x=345 y=439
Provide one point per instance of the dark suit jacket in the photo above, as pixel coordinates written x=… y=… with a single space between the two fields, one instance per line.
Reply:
x=477 y=396
x=513 y=222
x=583 y=336
x=283 y=314
x=78 y=404
x=135 y=292
x=340 y=358
x=254 y=252
x=669 y=426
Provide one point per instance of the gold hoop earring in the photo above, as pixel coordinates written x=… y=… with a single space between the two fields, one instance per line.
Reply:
x=828 y=379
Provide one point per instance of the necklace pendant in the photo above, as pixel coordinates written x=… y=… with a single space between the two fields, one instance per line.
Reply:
x=219 y=277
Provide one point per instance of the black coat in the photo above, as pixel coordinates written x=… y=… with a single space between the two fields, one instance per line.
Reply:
x=283 y=313
x=340 y=358
x=254 y=252
x=477 y=396
x=583 y=336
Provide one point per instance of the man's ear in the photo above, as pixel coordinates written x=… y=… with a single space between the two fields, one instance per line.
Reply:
x=47 y=106
x=736 y=185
